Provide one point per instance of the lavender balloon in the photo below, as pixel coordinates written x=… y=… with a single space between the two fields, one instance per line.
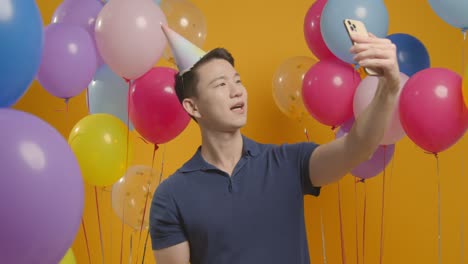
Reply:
x=68 y=60
x=41 y=194
x=82 y=13
x=376 y=164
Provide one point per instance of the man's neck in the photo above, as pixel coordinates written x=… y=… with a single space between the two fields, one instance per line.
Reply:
x=222 y=150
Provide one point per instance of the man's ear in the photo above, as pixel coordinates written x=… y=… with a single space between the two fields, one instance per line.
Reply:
x=191 y=107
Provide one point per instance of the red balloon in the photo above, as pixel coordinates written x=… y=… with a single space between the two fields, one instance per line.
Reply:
x=312 y=33
x=328 y=91
x=432 y=111
x=154 y=108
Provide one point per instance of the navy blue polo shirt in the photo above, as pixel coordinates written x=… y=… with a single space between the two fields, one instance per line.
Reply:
x=254 y=216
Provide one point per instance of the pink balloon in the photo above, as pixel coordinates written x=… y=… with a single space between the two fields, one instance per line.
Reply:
x=328 y=91
x=129 y=36
x=155 y=110
x=312 y=33
x=432 y=111
x=363 y=97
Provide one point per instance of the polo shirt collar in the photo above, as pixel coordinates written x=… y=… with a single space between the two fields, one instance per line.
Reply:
x=197 y=163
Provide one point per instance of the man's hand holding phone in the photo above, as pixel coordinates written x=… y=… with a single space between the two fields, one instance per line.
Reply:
x=377 y=55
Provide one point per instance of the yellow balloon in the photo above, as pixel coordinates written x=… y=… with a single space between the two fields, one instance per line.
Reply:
x=287 y=86
x=132 y=196
x=185 y=18
x=99 y=142
x=465 y=86
x=69 y=258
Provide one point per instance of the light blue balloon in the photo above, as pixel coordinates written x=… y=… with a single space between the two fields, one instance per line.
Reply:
x=21 y=44
x=453 y=12
x=373 y=13
x=108 y=93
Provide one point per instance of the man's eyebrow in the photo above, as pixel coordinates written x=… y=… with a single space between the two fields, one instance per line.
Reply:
x=222 y=77
x=217 y=78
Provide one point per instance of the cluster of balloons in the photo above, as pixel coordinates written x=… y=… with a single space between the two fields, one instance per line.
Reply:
x=42 y=189
x=127 y=92
x=93 y=45
x=430 y=108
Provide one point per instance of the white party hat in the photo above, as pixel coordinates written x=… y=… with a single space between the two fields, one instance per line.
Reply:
x=185 y=53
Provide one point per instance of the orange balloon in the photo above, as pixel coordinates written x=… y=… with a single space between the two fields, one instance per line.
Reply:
x=287 y=86
x=132 y=196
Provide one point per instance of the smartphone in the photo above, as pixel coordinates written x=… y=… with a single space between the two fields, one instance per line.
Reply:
x=357 y=27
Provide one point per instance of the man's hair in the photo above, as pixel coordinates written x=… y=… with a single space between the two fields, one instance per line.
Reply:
x=186 y=83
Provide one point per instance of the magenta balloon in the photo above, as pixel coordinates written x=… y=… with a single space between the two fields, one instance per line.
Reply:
x=432 y=110
x=41 y=193
x=68 y=60
x=328 y=90
x=313 y=33
x=155 y=110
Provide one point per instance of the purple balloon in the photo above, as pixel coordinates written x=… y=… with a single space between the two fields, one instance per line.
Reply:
x=68 y=60
x=346 y=126
x=376 y=164
x=82 y=13
x=41 y=194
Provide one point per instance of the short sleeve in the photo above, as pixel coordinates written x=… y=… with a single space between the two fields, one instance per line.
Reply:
x=300 y=154
x=165 y=224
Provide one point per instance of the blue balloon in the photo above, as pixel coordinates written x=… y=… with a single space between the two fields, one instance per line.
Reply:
x=22 y=40
x=411 y=53
x=108 y=93
x=373 y=13
x=453 y=12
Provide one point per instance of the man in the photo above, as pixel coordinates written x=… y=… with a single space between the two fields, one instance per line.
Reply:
x=238 y=201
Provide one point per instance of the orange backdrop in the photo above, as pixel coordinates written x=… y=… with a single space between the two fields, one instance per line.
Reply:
x=261 y=34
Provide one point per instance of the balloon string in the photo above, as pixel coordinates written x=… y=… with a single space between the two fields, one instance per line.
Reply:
x=156 y=147
x=86 y=239
x=128 y=122
x=131 y=249
x=383 y=207
x=438 y=211
x=160 y=179
x=144 y=249
x=126 y=164
x=110 y=229
x=462 y=227
x=306 y=134
x=87 y=100
x=341 y=226
x=324 y=252
x=99 y=222
x=143 y=220
x=356 y=213
x=123 y=228
x=364 y=223
x=463 y=51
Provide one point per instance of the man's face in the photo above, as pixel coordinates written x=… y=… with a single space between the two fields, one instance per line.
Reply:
x=221 y=101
